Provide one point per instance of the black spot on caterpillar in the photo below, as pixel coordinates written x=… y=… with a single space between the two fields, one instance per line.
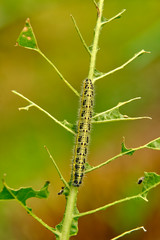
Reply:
x=83 y=133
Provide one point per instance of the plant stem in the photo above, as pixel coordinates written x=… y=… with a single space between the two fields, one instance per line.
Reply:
x=58 y=72
x=32 y=104
x=57 y=168
x=80 y=35
x=95 y=41
x=122 y=66
x=107 y=206
x=115 y=157
x=128 y=232
x=69 y=213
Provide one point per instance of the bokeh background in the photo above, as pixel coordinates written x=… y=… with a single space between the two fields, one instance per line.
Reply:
x=24 y=134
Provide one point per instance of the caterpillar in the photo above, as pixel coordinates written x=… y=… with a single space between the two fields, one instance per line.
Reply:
x=83 y=133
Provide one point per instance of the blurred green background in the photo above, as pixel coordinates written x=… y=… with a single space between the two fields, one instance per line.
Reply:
x=24 y=134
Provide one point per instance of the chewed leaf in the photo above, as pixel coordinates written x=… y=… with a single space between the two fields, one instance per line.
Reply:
x=22 y=194
x=73 y=228
x=150 y=181
x=155 y=144
x=27 y=38
x=70 y=125
x=114 y=114
x=125 y=150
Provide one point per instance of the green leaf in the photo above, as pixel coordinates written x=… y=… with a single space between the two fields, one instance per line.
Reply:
x=70 y=125
x=22 y=194
x=97 y=73
x=155 y=144
x=114 y=114
x=90 y=48
x=104 y=20
x=125 y=150
x=88 y=166
x=151 y=180
x=27 y=38
x=73 y=228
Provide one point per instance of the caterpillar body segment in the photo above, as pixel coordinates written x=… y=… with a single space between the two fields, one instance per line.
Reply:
x=83 y=133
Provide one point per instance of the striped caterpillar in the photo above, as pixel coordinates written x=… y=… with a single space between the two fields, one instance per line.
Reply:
x=83 y=133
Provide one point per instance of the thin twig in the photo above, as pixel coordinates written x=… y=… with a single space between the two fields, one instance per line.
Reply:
x=80 y=36
x=122 y=66
x=32 y=104
x=121 y=119
x=107 y=206
x=117 y=106
x=128 y=232
x=132 y=150
x=31 y=212
x=111 y=19
x=58 y=72
x=59 y=172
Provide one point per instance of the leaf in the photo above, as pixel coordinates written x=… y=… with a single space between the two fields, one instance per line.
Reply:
x=27 y=38
x=125 y=150
x=97 y=73
x=155 y=144
x=151 y=180
x=114 y=114
x=104 y=20
x=88 y=166
x=22 y=194
x=73 y=228
x=70 y=125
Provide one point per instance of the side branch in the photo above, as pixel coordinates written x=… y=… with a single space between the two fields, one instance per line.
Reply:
x=128 y=232
x=80 y=35
x=107 y=206
x=113 y=18
x=113 y=158
x=57 y=168
x=58 y=72
x=32 y=104
x=154 y=144
x=122 y=66
x=28 y=210
x=151 y=180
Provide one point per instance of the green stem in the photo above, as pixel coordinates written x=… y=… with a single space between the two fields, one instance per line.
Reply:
x=128 y=232
x=31 y=213
x=72 y=197
x=122 y=66
x=130 y=151
x=32 y=104
x=107 y=206
x=138 y=196
x=113 y=158
x=69 y=213
x=95 y=41
x=57 y=168
x=80 y=35
x=58 y=72
x=117 y=106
